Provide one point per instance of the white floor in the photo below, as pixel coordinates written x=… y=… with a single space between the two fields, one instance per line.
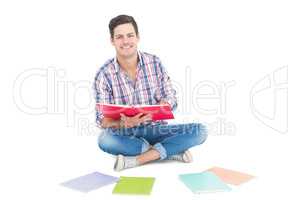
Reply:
x=40 y=159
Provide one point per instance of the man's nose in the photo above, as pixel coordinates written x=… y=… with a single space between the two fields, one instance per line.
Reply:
x=125 y=40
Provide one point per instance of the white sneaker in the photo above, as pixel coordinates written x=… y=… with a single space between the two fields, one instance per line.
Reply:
x=183 y=157
x=119 y=164
x=124 y=162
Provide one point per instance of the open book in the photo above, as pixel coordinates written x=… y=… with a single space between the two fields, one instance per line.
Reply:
x=159 y=112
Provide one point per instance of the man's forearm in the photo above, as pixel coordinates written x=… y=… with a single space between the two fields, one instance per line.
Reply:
x=125 y=122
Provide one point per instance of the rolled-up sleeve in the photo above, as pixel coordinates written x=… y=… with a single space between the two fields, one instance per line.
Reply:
x=168 y=93
x=102 y=93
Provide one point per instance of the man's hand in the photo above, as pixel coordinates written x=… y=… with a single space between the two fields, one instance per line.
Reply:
x=129 y=122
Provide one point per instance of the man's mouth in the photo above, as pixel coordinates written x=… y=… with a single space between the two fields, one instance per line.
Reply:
x=126 y=47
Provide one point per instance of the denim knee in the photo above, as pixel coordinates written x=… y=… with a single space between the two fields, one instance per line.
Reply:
x=105 y=142
x=201 y=132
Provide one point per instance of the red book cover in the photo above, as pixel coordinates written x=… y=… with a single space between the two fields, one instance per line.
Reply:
x=159 y=112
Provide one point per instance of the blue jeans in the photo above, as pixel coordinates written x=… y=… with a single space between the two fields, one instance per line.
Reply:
x=168 y=140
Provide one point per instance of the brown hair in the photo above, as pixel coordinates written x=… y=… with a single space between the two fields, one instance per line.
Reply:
x=122 y=19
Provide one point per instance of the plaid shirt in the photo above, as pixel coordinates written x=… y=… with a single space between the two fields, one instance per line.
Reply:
x=112 y=85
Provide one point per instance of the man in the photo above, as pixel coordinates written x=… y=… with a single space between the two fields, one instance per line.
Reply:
x=133 y=78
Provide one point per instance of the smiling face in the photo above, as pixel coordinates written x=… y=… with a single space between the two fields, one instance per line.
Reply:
x=125 y=41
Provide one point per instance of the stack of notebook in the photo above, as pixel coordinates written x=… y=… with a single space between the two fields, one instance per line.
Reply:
x=212 y=180
x=124 y=185
x=215 y=179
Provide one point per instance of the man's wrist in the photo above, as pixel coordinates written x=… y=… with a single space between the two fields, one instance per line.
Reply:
x=121 y=123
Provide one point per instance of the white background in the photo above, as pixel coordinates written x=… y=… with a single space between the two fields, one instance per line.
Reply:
x=51 y=50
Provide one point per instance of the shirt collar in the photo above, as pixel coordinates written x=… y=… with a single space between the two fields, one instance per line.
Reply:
x=117 y=66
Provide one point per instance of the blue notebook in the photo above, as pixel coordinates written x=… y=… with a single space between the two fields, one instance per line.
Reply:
x=203 y=182
x=90 y=182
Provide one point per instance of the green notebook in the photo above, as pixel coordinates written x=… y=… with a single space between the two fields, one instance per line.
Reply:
x=203 y=182
x=134 y=185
